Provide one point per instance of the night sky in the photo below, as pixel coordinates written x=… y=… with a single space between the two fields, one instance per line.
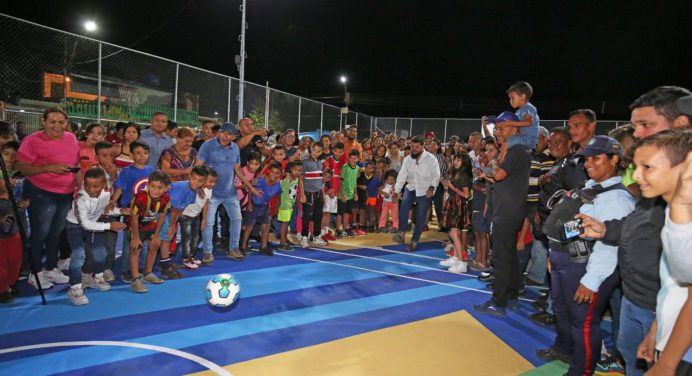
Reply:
x=412 y=58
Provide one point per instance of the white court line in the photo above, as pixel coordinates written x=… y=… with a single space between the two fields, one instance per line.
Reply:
x=392 y=261
x=390 y=274
x=387 y=250
x=191 y=357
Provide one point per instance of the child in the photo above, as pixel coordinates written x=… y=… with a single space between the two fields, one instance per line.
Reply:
x=326 y=140
x=145 y=225
x=389 y=205
x=290 y=186
x=191 y=223
x=105 y=161
x=372 y=193
x=278 y=156
x=182 y=194
x=85 y=235
x=330 y=204
x=519 y=95
x=407 y=151
x=131 y=180
x=366 y=176
x=11 y=245
x=269 y=188
x=335 y=164
x=456 y=217
x=251 y=172
x=347 y=192
x=311 y=197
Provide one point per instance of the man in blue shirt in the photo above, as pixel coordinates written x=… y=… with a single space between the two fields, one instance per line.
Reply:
x=156 y=138
x=223 y=155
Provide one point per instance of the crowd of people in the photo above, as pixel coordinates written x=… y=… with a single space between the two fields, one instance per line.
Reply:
x=602 y=223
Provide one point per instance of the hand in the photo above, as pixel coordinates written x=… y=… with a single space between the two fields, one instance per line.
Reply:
x=23 y=204
x=484 y=121
x=254 y=181
x=593 y=228
x=343 y=199
x=117 y=226
x=201 y=194
x=520 y=245
x=583 y=295
x=109 y=207
x=536 y=218
x=6 y=219
x=544 y=179
x=660 y=369
x=256 y=192
x=647 y=348
x=395 y=197
x=57 y=168
x=683 y=191
x=550 y=267
x=125 y=211
x=303 y=198
x=262 y=132
x=355 y=197
x=135 y=244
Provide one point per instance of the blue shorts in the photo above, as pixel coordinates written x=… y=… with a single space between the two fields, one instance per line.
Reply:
x=479 y=223
x=164 y=228
x=258 y=215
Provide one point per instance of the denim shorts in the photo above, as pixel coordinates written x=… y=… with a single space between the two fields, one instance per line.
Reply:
x=258 y=215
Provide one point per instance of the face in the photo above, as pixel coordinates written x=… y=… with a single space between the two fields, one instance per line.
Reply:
x=516 y=100
x=156 y=189
x=207 y=130
x=93 y=187
x=131 y=134
x=104 y=157
x=542 y=143
x=326 y=141
x=559 y=145
x=211 y=182
x=416 y=148
x=159 y=123
x=253 y=165
x=140 y=156
x=648 y=122
x=172 y=132
x=434 y=147
x=245 y=126
x=197 y=181
x=457 y=163
x=352 y=133
x=296 y=171
x=290 y=139
x=97 y=134
x=370 y=168
x=273 y=174
x=316 y=151
x=391 y=180
x=185 y=143
x=367 y=155
x=475 y=142
x=55 y=125
x=491 y=151
x=8 y=156
x=580 y=129
x=393 y=149
x=654 y=173
x=600 y=167
x=225 y=138
x=279 y=154
x=378 y=141
x=352 y=159
x=338 y=153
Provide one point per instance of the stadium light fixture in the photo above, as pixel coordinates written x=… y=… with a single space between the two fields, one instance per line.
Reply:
x=90 y=26
x=343 y=79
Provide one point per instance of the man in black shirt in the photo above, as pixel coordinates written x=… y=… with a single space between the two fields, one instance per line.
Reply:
x=509 y=208
x=251 y=140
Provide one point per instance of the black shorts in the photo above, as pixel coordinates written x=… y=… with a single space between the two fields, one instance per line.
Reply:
x=362 y=200
x=345 y=207
x=258 y=215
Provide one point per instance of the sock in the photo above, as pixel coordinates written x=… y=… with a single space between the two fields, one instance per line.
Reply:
x=165 y=263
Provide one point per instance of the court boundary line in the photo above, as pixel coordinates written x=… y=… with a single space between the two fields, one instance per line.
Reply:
x=387 y=250
x=392 y=274
x=175 y=352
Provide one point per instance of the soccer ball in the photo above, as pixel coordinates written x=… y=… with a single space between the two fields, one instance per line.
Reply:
x=222 y=290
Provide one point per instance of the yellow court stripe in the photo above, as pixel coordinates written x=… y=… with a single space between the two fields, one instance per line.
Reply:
x=451 y=344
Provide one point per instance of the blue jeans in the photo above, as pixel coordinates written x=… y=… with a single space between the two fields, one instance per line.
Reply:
x=539 y=256
x=83 y=241
x=47 y=214
x=635 y=322
x=423 y=203
x=232 y=206
x=522 y=139
x=438 y=200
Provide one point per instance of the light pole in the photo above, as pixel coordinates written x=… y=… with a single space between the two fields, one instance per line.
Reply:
x=344 y=110
x=241 y=63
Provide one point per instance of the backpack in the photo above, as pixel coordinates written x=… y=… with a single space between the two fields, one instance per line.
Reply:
x=564 y=206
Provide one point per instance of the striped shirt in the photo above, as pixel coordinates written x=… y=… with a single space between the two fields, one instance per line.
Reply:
x=540 y=165
x=441 y=162
x=312 y=175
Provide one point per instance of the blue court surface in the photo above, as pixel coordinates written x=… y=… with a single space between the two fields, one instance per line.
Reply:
x=288 y=302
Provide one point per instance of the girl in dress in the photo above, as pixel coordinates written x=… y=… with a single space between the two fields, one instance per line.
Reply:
x=456 y=209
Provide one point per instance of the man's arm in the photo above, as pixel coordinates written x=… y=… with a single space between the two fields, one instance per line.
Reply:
x=245 y=140
x=402 y=176
x=239 y=173
x=679 y=342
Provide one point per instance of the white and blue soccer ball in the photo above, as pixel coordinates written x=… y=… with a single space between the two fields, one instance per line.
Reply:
x=222 y=290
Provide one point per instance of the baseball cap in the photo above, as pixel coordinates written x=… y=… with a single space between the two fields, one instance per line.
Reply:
x=504 y=116
x=685 y=105
x=601 y=145
x=430 y=134
x=228 y=127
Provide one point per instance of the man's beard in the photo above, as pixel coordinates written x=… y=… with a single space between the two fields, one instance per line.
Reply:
x=351 y=137
x=416 y=155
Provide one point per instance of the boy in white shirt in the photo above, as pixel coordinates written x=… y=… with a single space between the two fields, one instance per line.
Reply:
x=191 y=223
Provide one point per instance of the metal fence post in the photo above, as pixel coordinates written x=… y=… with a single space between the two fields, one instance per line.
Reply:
x=410 y=127
x=356 y=119
x=228 y=107
x=266 y=105
x=98 y=96
x=371 y=125
x=321 y=118
x=396 y=120
x=241 y=68
x=175 y=94
x=445 y=134
x=300 y=102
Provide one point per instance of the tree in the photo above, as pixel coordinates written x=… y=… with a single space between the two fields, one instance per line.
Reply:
x=257 y=116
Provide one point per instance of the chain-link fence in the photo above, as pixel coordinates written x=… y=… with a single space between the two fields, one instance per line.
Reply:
x=98 y=81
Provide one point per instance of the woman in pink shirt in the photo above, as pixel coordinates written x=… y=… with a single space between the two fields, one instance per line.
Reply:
x=49 y=159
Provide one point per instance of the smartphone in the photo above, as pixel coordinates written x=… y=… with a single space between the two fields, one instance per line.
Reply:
x=573 y=228
x=73 y=169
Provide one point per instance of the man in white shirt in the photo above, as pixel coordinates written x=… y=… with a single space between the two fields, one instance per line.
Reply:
x=421 y=175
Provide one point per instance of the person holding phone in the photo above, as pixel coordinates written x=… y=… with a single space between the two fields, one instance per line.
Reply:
x=49 y=160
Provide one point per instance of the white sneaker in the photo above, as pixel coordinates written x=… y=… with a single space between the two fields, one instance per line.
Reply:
x=450 y=261
x=45 y=283
x=319 y=241
x=460 y=267
x=304 y=242
x=86 y=280
x=76 y=295
x=108 y=275
x=56 y=276
x=64 y=264
x=98 y=282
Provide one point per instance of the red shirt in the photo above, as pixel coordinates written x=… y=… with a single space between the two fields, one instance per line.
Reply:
x=149 y=210
x=335 y=166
